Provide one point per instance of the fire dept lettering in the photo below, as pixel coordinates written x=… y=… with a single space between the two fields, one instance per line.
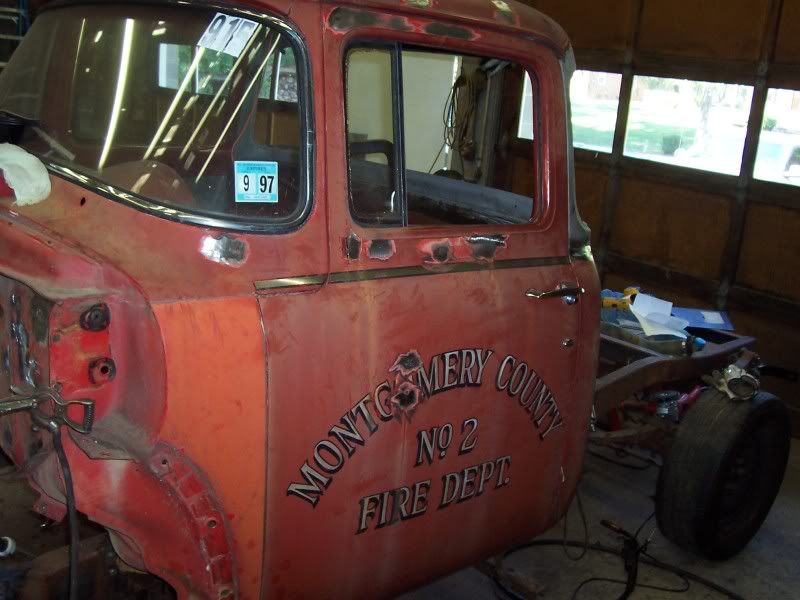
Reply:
x=408 y=502
x=412 y=384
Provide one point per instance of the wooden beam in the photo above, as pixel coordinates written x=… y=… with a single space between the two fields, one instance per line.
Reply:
x=733 y=249
x=618 y=147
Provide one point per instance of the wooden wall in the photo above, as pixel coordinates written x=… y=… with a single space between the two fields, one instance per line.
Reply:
x=701 y=238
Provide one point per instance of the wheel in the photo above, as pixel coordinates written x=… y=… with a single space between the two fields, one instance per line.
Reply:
x=722 y=473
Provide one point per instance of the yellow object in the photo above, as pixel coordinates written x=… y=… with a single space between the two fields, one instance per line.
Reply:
x=619 y=303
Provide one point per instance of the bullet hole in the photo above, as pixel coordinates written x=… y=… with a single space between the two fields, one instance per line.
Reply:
x=212 y=523
x=96 y=318
x=83 y=201
x=352 y=247
x=441 y=253
x=381 y=249
x=102 y=370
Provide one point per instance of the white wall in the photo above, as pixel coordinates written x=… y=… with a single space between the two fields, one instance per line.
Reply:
x=427 y=79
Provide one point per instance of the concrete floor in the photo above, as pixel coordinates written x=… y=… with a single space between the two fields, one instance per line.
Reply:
x=766 y=569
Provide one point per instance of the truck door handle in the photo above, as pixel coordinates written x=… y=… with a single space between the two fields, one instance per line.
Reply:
x=568 y=291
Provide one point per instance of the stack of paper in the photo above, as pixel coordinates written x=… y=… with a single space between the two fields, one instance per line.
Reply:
x=655 y=317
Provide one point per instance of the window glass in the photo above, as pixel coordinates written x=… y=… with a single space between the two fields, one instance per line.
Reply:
x=778 y=156
x=460 y=168
x=688 y=123
x=594 y=97
x=370 y=136
x=152 y=101
x=525 y=129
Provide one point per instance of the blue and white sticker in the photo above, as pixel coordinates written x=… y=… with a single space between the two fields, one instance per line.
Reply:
x=256 y=181
x=228 y=34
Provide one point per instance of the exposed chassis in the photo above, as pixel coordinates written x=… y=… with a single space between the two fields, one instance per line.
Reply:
x=627 y=369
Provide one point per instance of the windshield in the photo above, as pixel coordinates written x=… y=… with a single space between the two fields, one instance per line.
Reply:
x=192 y=109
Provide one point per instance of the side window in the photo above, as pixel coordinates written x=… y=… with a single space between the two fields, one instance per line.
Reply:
x=428 y=135
x=370 y=136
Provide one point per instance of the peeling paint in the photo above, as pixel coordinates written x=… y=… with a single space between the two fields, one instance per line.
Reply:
x=343 y=19
x=451 y=31
x=484 y=247
x=406 y=392
x=399 y=24
x=438 y=254
x=381 y=249
x=225 y=250
x=504 y=11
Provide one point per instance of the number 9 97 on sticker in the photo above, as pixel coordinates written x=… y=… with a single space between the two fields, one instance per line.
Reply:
x=256 y=181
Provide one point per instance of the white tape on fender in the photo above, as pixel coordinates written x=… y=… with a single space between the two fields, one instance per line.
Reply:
x=25 y=174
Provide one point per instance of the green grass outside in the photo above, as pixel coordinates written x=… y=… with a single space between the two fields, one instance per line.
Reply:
x=643 y=136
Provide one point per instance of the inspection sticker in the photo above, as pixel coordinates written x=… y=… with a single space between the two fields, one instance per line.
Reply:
x=228 y=34
x=256 y=181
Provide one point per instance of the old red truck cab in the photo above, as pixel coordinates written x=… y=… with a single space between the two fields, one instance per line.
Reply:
x=316 y=273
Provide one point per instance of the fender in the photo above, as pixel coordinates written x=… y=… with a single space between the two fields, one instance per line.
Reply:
x=85 y=328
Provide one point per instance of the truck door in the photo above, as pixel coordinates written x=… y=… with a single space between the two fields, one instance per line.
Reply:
x=421 y=399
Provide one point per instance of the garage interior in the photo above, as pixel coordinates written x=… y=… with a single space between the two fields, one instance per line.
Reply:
x=686 y=127
x=699 y=237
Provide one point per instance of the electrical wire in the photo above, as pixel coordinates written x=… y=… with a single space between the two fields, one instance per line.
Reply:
x=645 y=461
x=641 y=555
x=74 y=538
x=648 y=586
x=458 y=112
x=585 y=530
x=619 y=463
x=646 y=559
x=644 y=523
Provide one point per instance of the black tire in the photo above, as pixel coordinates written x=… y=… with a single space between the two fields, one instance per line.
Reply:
x=723 y=472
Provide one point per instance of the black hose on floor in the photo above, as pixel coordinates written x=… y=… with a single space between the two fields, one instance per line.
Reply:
x=645 y=558
x=74 y=536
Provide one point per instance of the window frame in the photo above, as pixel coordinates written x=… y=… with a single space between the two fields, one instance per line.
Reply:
x=395 y=47
x=306 y=150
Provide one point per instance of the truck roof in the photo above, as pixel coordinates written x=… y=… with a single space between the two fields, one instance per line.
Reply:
x=508 y=15
x=505 y=15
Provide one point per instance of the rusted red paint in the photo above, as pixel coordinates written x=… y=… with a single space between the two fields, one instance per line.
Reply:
x=221 y=392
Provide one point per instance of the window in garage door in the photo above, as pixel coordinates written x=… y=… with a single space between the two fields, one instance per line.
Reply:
x=594 y=99
x=686 y=123
x=778 y=156
x=428 y=144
